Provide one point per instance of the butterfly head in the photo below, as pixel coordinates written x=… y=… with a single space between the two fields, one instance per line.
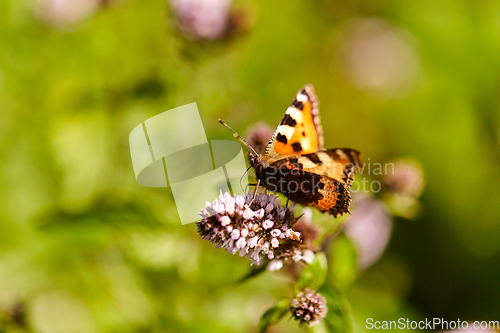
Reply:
x=256 y=162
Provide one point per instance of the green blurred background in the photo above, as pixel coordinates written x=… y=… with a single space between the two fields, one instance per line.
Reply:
x=84 y=248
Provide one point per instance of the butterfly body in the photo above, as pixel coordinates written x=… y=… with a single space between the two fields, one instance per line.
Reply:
x=297 y=165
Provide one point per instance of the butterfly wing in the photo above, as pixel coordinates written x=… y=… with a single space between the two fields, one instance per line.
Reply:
x=319 y=179
x=300 y=131
x=340 y=164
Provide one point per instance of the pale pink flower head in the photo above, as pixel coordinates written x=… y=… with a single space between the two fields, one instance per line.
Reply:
x=308 y=307
x=202 y=19
x=260 y=229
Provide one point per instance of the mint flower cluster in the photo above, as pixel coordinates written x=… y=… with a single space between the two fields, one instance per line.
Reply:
x=308 y=307
x=260 y=230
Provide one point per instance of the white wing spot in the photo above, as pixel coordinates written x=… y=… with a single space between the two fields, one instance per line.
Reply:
x=324 y=157
x=307 y=163
x=341 y=154
x=286 y=131
x=301 y=97
x=295 y=114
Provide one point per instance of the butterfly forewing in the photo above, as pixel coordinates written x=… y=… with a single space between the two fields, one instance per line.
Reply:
x=300 y=130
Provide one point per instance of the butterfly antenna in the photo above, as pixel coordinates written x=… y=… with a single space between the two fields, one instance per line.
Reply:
x=237 y=136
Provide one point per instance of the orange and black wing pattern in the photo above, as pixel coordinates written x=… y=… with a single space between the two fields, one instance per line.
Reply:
x=300 y=131
x=319 y=179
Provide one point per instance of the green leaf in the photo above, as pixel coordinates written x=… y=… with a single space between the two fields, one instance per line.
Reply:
x=338 y=318
x=274 y=314
x=318 y=328
x=314 y=274
x=343 y=261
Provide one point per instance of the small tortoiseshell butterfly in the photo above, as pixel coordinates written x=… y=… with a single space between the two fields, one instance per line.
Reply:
x=297 y=165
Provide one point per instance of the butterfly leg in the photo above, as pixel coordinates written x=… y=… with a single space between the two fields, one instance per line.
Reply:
x=287 y=201
x=248 y=185
x=255 y=192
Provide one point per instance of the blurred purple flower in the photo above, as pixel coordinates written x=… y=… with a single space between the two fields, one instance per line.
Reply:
x=406 y=179
x=308 y=307
x=202 y=19
x=379 y=57
x=403 y=184
x=304 y=225
x=258 y=136
x=369 y=228
x=62 y=13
